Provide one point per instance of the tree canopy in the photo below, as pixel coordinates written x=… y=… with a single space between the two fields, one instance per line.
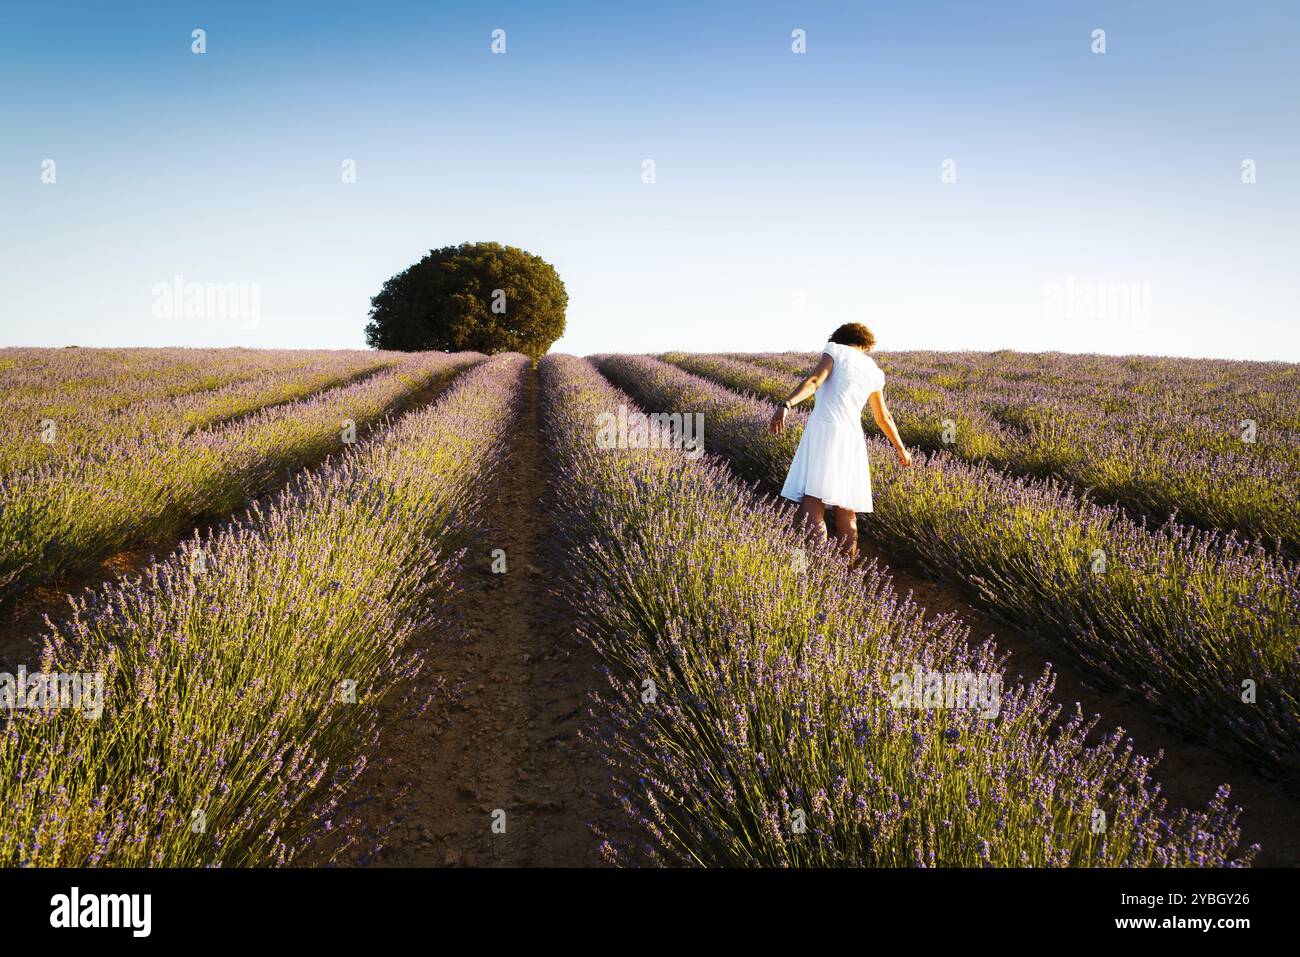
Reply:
x=481 y=297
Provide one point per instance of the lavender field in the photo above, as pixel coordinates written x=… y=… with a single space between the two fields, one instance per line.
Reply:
x=307 y=608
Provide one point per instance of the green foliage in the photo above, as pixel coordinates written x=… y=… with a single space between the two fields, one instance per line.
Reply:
x=481 y=297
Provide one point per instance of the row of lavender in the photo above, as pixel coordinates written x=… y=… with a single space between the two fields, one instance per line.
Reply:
x=242 y=675
x=1216 y=443
x=71 y=422
x=63 y=516
x=72 y=379
x=751 y=713
x=1208 y=396
x=1204 y=627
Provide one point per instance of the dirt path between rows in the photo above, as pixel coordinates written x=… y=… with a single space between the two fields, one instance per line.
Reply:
x=510 y=696
x=1189 y=773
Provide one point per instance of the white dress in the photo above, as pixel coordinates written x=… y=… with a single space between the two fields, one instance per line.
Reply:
x=831 y=461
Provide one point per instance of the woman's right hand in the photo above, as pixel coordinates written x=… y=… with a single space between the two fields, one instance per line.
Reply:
x=904 y=457
x=778 y=420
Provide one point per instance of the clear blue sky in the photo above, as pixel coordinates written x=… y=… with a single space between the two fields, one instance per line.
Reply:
x=780 y=177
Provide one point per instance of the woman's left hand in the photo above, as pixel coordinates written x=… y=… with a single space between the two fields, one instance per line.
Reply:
x=778 y=420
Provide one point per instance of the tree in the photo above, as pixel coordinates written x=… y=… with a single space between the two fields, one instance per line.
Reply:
x=481 y=297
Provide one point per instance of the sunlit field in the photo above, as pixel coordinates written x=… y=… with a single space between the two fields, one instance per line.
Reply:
x=261 y=608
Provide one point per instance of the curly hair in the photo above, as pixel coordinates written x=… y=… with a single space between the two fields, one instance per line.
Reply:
x=854 y=334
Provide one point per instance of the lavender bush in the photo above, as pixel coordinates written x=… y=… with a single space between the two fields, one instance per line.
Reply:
x=228 y=733
x=1203 y=626
x=747 y=716
x=97 y=399
x=1214 y=442
x=60 y=517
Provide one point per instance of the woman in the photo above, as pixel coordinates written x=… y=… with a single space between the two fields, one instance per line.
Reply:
x=830 y=466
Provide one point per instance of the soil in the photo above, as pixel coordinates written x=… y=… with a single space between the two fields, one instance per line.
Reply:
x=506 y=736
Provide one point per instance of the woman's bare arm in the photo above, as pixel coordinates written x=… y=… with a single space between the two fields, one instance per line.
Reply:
x=803 y=390
x=885 y=421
